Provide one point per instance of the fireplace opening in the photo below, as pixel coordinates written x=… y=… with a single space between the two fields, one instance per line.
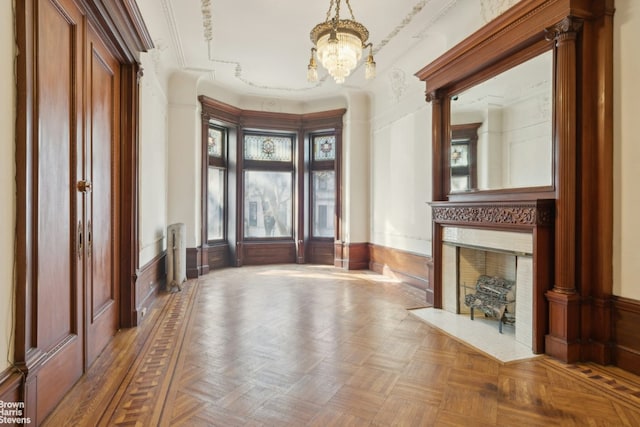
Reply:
x=503 y=256
x=487 y=285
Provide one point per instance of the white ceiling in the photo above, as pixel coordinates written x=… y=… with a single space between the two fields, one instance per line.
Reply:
x=262 y=47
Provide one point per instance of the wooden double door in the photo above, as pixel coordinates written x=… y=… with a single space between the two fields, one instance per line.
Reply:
x=76 y=170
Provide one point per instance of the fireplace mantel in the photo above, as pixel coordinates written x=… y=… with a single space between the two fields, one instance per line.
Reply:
x=515 y=215
x=574 y=254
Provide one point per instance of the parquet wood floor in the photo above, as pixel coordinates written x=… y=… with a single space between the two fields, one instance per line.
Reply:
x=299 y=345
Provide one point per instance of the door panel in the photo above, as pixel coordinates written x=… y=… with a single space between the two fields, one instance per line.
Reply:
x=102 y=143
x=59 y=261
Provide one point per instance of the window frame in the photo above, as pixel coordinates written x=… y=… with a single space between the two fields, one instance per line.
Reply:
x=219 y=163
x=320 y=166
x=268 y=166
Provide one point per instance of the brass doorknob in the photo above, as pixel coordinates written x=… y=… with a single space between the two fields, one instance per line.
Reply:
x=84 y=186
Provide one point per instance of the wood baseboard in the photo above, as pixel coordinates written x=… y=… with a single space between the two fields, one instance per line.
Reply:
x=411 y=268
x=626 y=318
x=351 y=256
x=151 y=278
x=10 y=384
x=194 y=264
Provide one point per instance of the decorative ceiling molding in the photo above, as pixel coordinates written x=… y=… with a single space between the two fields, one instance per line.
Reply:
x=409 y=18
x=207 y=17
x=490 y=9
x=207 y=23
x=176 y=40
x=397 y=83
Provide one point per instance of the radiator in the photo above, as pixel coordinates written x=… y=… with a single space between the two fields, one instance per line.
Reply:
x=176 y=256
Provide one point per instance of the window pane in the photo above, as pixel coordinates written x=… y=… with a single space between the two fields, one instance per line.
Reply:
x=267 y=147
x=324 y=147
x=214 y=142
x=324 y=202
x=460 y=183
x=215 y=204
x=268 y=205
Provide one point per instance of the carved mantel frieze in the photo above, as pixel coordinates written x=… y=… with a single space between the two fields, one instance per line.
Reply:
x=538 y=213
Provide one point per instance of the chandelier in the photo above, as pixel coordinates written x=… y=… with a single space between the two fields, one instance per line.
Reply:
x=338 y=45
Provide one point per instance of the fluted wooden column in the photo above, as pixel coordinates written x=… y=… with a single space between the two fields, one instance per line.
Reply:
x=438 y=193
x=562 y=341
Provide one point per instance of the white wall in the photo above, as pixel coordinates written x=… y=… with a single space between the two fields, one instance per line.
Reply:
x=153 y=149
x=401 y=181
x=355 y=167
x=626 y=132
x=184 y=154
x=7 y=180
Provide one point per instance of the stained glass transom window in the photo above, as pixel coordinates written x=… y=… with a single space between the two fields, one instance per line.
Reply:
x=268 y=148
x=214 y=142
x=324 y=147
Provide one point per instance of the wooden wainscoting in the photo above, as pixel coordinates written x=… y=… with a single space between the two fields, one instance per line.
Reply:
x=351 y=256
x=626 y=318
x=411 y=268
x=10 y=381
x=194 y=263
x=150 y=279
x=263 y=253
x=217 y=256
x=320 y=252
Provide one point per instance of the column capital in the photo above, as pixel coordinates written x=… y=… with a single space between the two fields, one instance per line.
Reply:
x=568 y=27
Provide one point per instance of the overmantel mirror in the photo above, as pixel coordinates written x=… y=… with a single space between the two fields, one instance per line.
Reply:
x=501 y=130
x=503 y=80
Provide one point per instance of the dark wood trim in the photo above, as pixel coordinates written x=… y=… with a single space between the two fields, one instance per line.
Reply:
x=522 y=215
x=121 y=26
x=509 y=34
x=129 y=195
x=271 y=252
x=626 y=318
x=10 y=383
x=413 y=269
x=354 y=256
x=194 y=266
x=320 y=252
x=218 y=255
x=151 y=278
x=595 y=164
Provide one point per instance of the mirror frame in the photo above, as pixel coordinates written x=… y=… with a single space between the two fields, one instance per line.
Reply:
x=497 y=47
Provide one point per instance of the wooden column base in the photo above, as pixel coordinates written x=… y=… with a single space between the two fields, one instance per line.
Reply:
x=563 y=340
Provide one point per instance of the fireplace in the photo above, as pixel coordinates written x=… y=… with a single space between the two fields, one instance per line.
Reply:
x=510 y=240
x=505 y=256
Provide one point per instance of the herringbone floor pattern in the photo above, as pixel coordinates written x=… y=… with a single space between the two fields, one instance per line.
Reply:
x=317 y=346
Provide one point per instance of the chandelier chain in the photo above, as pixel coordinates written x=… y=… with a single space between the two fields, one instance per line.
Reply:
x=330 y=9
x=350 y=10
